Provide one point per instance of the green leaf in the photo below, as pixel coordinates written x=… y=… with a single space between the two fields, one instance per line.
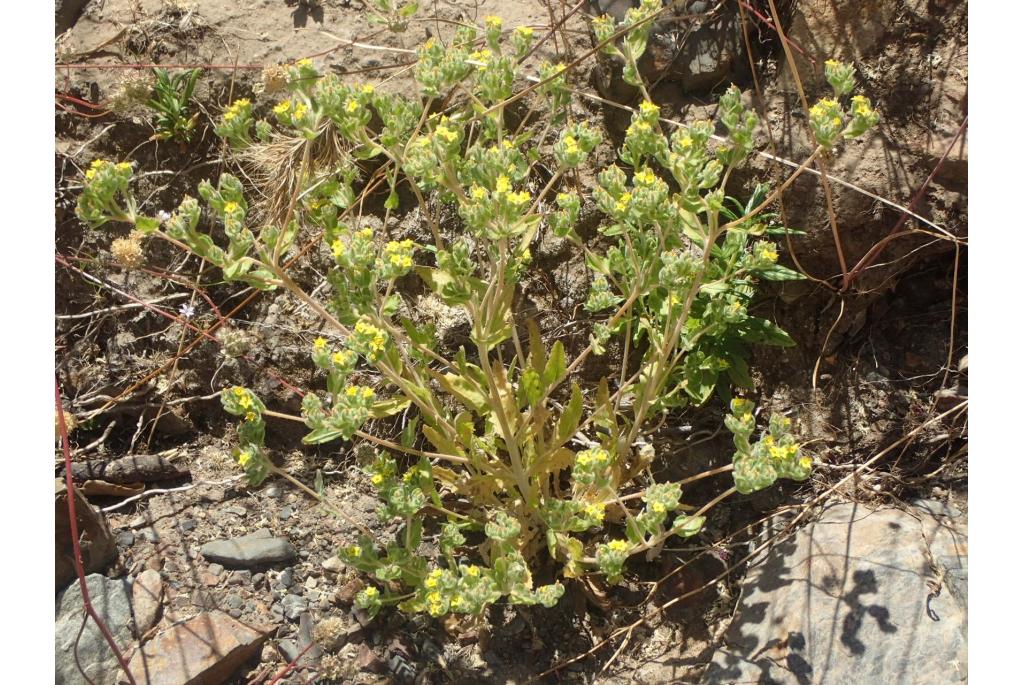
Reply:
x=569 y=421
x=778 y=272
x=146 y=225
x=688 y=526
x=764 y=332
x=322 y=435
x=384 y=408
x=467 y=392
x=555 y=368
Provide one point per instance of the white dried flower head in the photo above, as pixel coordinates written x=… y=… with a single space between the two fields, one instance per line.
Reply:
x=330 y=633
x=128 y=252
x=273 y=79
x=132 y=91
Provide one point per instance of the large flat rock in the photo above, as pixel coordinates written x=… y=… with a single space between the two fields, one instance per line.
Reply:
x=206 y=650
x=112 y=600
x=860 y=596
x=249 y=550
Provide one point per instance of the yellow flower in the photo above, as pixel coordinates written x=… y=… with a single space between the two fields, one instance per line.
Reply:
x=371 y=592
x=319 y=344
x=571 y=145
x=623 y=204
x=618 y=545
x=378 y=342
x=434 y=597
x=525 y=31
x=768 y=441
x=686 y=142
x=832 y=63
x=351 y=391
x=239 y=391
x=245 y=401
x=304 y=62
x=230 y=207
x=648 y=108
x=430 y=583
x=456 y=602
x=339 y=358
x=283 y=107
x=351 y=106
x=123 y=166
x=376 y=479
x=230 y=114
x=805 y=462
x=837 y=121
x=366 y=393
x=473 y=571
x=367 y=89
x=493 y=22
x=658 y=507
x=645 y=177
x=595 y=511
x=300 y=111
x=250 y=416
x=502 y=185
x=446 y=134
x=244 y=458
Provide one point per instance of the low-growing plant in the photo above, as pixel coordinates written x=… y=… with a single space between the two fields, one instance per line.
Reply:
x=511 y=455
x=172 y=96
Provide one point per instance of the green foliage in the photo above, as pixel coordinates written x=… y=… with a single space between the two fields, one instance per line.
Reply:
x=172 y=96
x=538 y=465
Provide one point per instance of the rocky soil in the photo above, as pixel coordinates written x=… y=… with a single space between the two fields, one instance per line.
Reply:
x=205 y=580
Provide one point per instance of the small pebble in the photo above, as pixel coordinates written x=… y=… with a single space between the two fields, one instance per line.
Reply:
x=273 y=490
x=333 y=564
x=286 y=513
x=233 y=601
x=137 y=522
x=240 y=578
x=237 y=511
x=187 y=525
x=215 y=569
x=310 y=583
x=293 y=607
x=149 y=534
x=258 y=578
x=287 y=578
x=125 y=538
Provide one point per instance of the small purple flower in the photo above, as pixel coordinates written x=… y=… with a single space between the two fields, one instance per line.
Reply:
x=187 y=310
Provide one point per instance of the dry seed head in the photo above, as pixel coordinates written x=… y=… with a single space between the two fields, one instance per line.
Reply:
x=273 y=79
x=131 y=91
x=70 y=423
x=336 y=668
x=330 y=633
x=128 y=252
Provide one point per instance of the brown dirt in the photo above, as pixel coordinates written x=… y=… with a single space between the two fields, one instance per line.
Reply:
x=877 y=370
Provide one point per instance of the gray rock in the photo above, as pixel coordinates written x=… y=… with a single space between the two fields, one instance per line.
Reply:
x=125 y=538
x=112 y=601
x=286 y=513
x=249 y=550
x=215 y=569
x=293 y=606
x=850 y=599
x=333 y=564
x=149 y=534
x=273 y=490
x=287 y=578
x=240 y=578
x=258 y=578
x=187 y=525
